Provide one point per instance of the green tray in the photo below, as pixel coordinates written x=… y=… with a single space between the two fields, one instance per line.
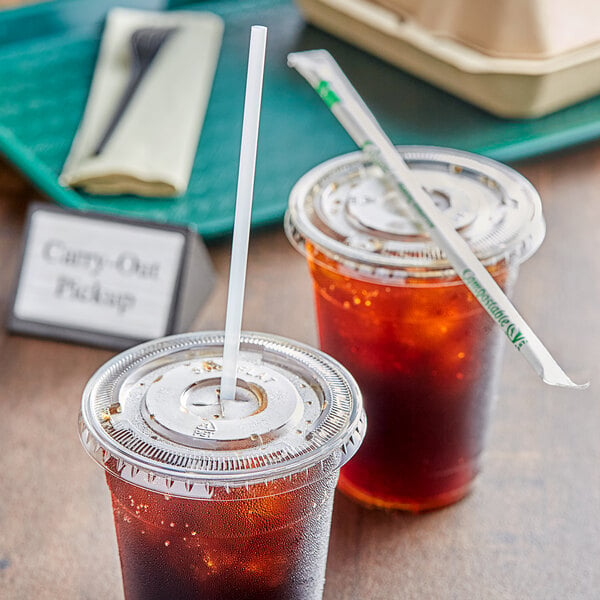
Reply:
x=47 y=57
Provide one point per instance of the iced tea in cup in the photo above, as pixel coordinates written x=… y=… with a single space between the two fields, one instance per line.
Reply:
x=221 y=501
x=391 y=309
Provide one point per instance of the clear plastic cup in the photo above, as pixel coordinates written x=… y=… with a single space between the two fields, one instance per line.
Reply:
x=390 y=308
x=212 y=501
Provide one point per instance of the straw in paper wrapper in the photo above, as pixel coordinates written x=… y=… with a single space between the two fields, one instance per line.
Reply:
x=322 y=72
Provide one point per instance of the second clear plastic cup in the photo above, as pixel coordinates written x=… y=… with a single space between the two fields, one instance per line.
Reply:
x=219 y=501
x=424 y=352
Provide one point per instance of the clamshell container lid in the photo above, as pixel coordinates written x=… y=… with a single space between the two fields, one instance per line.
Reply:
x=507 y=28
x=514 y=58
x=351 y=212
x=151 y=414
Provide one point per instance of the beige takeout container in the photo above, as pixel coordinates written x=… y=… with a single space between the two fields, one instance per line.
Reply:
x=514 y=58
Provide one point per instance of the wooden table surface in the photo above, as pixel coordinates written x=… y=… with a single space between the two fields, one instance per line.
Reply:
x=530 y=529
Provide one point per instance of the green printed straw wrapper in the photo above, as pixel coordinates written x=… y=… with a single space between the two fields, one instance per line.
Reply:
x=323 y=73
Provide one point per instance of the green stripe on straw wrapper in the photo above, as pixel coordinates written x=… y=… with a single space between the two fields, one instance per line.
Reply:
x=322 y=72
x=243 y=210
x=327 y=94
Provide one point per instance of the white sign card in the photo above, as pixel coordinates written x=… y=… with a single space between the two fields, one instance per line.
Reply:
x=102 y=280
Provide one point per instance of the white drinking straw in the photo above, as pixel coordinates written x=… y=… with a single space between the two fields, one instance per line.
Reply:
x=243 y=208
x=324 y=74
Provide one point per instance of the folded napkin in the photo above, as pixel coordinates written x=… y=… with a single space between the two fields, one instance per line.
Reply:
x=152 y=148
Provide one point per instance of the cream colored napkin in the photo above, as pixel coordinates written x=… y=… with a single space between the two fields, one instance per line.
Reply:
x=152 y=149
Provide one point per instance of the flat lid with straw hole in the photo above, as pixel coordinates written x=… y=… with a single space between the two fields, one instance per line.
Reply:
x=351 y=212
x=152 y=415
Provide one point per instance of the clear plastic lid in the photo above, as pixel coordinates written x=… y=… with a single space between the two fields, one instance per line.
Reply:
x=348 y=210
x=152 y=416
